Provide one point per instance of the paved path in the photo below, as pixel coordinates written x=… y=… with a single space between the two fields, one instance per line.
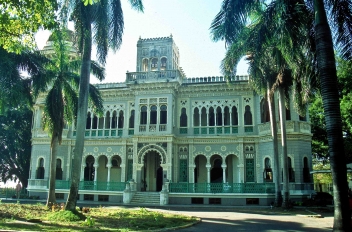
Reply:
x=226 y=219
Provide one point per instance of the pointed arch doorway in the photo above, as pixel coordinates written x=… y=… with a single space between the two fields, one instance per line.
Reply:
x=151 y=172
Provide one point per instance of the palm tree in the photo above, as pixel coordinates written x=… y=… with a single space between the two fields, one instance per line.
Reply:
x=234 y=14
x=341 y=12
x=15 y=88
x=60 y=107
x=100 y=23
x=269 y=68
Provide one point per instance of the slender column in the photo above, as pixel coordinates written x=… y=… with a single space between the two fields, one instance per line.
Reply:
x=109 y=172
x=223 y=117
x=200 y=118
x=82 y=171
x=223 y=166
x=208 y=166
x=123 y=172
x=191 y=172
x=96 y=166
x=104 y=123
x=207 y=112
x=215 y=117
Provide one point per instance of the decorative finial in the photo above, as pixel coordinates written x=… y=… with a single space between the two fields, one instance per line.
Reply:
x=170 y=35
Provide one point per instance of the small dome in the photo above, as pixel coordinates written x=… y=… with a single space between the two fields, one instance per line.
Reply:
x=70 y=35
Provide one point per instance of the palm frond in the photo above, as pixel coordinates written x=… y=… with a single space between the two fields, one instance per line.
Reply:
x=101 y=29
x=116 y=22
x=137 y=5
x=97 y=70
x=96 y=100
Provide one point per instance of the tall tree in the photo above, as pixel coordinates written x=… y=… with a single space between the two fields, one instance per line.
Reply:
x=341 y=12
x=15 y=144
x=271 y=67
x=100 y=23
x=19 y=20
x=60 y=107
x=234 y=14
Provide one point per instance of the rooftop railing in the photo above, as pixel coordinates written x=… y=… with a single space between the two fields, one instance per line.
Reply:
x=166 y=75
x=215 y=79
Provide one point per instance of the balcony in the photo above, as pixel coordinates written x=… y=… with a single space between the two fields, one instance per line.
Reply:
x=291 y=126
x=83 y=185
x=152 y=128
x=93 y=133
x=212 y=130
x=194 y=80
x=222 y=188
x=154 y=76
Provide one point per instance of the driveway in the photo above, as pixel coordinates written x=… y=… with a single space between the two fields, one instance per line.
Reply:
x=227 y=219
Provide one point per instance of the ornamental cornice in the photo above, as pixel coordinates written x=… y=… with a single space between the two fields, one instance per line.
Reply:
x=216 y=88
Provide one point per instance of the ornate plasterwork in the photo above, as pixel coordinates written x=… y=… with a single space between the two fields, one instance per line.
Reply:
x=214 y=103
x=151 y=147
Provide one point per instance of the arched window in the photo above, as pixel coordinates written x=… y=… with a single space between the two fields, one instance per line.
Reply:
x=264 y=111
x=247 y=115
x=163 y=63
x=163 y=114
x=218 y=116
x=303 y=118
x=89 y=121
x=196 y=117
x=268 y=172
x=291 y=172
x=204 y=117
x=132 y=119
x=145 y=65
x=288 y=113
x=114 y=120
x=306 y=174
x=154 y=64
x=107 y=120
x=95 y=122
x=183 y=118
x=234 y=116
x=58 y=170
x=116 y=162
x=89 y=170
x=143 y=120
x=40 y=169
x=101 y=123
x=153 y=114
x=121 y=119
x=226 y=116
x=211 y=117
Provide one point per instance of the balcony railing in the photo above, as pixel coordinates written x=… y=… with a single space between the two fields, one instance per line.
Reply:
x=152 y=128
x=83 y=185
x=152 y=76
x=291 y=126
x=222 y=187
x=102 y=133
x=215 y=79
x=212 y=130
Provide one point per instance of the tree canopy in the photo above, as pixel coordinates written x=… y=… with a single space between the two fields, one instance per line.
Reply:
x=15 y=144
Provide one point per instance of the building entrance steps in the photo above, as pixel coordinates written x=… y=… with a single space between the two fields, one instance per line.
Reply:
x=150 y=198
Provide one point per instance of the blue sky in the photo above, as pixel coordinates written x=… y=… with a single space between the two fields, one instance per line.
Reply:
x=187 y=20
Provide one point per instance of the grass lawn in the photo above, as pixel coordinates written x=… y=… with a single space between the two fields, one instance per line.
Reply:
x=22 y=217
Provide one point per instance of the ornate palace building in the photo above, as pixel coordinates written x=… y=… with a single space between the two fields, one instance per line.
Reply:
x=166 y=138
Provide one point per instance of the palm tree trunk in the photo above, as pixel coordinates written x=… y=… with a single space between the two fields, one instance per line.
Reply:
x=282 y=110
x=52 y=179
x=81 y=117
x=331 y=104
x=273 y=124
